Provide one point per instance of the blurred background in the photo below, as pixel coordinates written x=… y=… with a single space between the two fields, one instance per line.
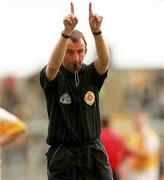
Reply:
x=133 y=30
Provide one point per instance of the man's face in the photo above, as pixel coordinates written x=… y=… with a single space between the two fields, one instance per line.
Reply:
x=140 y=120
x=74 y=55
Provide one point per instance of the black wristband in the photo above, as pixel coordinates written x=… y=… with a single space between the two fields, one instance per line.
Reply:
x=96 y=33
x=65 y=36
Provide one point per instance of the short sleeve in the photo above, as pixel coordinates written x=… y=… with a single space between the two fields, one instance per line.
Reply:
x=97 y=78
x=44 y=82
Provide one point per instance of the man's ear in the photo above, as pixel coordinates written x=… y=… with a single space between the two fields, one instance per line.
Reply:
x=86 y=50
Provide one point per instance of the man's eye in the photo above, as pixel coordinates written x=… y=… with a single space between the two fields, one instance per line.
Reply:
x=80 y=51
x=69 y=52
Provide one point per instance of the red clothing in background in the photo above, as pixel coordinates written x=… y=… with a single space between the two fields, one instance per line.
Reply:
x=114 y=146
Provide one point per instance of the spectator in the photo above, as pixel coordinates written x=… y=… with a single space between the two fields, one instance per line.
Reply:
x=145 y=143
x=114 y=145
x=10 y=128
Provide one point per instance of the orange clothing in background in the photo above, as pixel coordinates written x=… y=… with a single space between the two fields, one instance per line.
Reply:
x=10 y=124
x=145 y=165
x=148 y=144
x=10 y=128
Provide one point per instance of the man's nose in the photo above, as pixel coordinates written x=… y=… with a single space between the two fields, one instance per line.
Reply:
x=76 y=57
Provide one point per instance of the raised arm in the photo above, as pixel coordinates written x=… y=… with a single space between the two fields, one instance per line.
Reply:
x=59 y=50
x=102 y=60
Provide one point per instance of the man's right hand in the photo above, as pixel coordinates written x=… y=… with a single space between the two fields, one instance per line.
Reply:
x=70 y=21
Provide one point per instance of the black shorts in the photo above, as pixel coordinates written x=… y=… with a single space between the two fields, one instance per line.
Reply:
x=87 y=162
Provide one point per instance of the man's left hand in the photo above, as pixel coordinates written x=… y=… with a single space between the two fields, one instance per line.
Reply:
x=94 y=20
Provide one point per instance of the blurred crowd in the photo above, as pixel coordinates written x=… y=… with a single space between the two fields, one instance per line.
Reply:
x=137 y=156
x=146 y=89
x=22 y=97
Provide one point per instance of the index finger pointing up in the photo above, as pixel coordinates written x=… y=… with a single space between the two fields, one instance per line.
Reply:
x=90 y=10
x=72 y=8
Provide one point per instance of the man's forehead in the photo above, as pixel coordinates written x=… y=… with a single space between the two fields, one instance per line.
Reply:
x=76 y=45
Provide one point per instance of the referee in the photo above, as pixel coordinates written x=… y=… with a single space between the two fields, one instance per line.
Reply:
x=71 y=90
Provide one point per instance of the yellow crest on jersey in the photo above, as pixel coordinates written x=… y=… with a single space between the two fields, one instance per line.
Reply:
x=89 y=98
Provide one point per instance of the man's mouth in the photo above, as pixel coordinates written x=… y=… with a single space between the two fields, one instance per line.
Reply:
x=76 y=67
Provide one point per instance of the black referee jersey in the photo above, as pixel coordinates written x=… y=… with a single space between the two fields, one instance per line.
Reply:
x=73 y=112
x=76 y=152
